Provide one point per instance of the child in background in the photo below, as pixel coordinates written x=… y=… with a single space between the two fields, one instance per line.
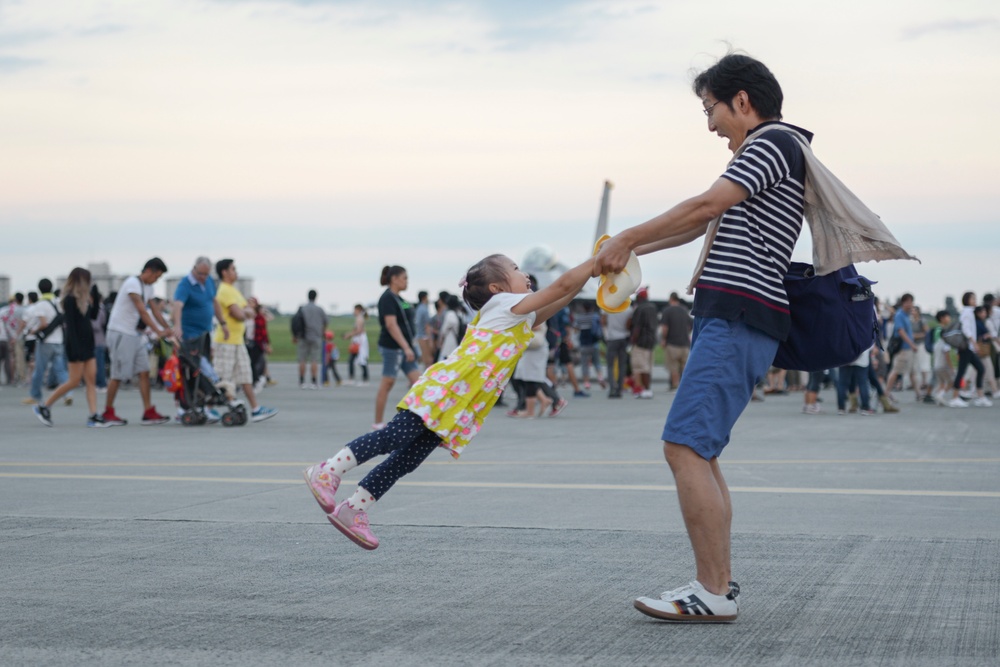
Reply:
x=359 y=346
x=447 y=405
x=944 y=371
x=331 y=355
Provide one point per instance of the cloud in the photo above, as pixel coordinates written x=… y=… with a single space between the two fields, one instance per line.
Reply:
x=952 y=26
x=10 y=64
x=509 y=25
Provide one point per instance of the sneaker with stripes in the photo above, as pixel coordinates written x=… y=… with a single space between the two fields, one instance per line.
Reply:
x=693 y=604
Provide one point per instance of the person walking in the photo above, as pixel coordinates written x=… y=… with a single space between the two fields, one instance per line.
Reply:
x=446 y=408
x=395 y=338
x=676 y=338
x=617 y=333
x=741 y=308
x=79 y=310
x=967 y=357
x=44 y=318
x=645 y=322
x=127 y=344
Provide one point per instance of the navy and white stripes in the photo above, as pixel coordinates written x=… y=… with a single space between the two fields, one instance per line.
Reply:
x=747 y=262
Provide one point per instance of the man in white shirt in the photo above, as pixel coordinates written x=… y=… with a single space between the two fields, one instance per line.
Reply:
x=49 y=350
x=126 y=343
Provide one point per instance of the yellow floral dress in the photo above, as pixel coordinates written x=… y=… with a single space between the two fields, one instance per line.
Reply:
x=453 y=396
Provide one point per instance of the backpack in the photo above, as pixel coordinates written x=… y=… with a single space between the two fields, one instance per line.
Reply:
x=932 y=337
x=299 y=324
x=954 y=337
x=463 y=326
x=50 y=328
x=833 y=319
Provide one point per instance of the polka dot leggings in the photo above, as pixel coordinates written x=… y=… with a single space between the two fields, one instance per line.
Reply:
x=407 y=442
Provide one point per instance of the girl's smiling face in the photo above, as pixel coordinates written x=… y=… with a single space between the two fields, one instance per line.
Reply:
x=517 y=280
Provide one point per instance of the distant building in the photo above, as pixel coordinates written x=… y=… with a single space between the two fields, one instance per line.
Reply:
x=4 y=289
x=100 y=275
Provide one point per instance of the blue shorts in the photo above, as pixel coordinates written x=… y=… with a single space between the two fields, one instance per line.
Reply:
x=393 y=360
x=727 y=361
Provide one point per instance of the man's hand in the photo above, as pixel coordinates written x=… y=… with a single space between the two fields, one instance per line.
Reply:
x=612 y=257
x=408 y=354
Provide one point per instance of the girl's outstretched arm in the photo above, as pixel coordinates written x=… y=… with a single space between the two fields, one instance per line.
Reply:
x=547 y=302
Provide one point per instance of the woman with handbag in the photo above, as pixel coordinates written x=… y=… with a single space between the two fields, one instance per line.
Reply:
x=79 y=309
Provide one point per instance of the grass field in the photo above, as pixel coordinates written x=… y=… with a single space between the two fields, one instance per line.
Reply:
x=280 y=331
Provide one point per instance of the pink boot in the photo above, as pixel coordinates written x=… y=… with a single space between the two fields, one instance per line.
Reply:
x=323 y=483
x=354 y=524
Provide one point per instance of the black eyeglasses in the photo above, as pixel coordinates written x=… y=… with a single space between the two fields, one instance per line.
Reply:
x=708 y=111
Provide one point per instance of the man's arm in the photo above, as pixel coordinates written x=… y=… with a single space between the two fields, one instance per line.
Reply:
x=145 y=316
x=681 y=224
x=220 y=318
x=157 y=309
x=175 y=316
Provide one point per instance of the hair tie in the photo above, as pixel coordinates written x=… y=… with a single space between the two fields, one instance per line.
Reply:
x=463 y=282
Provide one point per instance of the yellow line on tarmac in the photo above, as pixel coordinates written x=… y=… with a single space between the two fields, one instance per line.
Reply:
x=303 y=464
x=523 y=485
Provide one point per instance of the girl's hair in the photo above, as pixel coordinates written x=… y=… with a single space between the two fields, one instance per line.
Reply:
x=78 y=286
x=390 y=272
x=476 y=284
x=967 y=297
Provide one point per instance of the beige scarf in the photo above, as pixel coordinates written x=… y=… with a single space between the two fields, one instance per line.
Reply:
x=843 y=229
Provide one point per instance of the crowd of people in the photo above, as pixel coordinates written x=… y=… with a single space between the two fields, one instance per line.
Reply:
x=949 y=359
x=74 y=335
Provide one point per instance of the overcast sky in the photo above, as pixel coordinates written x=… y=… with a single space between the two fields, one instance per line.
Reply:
x=315 y=141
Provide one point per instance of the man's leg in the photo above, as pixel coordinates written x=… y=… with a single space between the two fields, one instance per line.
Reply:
x=147 y=402
x=708 y=514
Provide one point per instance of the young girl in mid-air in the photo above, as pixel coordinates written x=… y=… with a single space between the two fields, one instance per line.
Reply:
x=447 y=405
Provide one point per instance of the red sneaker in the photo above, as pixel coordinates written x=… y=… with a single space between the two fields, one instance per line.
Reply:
x=151 y=417
x=112 y=419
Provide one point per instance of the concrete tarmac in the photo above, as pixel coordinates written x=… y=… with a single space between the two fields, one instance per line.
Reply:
x=856 y=540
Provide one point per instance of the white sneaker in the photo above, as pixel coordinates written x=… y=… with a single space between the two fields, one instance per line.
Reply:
x=812 y=409
x=693 y=604
x=983 y=402
x=957 y=403
x=646 y=393
x=967 y=394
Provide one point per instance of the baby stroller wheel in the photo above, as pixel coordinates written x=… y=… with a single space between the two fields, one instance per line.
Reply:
x=241 y=416
x=189 y=418
x=228 y=419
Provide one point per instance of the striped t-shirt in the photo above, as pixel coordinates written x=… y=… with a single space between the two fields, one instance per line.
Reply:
x=742 y=279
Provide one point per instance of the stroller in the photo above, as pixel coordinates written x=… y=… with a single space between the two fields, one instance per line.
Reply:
x=187 y=378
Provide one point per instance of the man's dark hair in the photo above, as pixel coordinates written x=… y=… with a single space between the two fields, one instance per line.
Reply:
x=44 y=285
x=221 y=266
x=906 y=297
x=988 y=298
x=443 y=297
x=941 y=314
x=19 y=298
x=421 y=295
x=312 y=295
x=32 y=297
x=156 y=264
x=735 y=72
